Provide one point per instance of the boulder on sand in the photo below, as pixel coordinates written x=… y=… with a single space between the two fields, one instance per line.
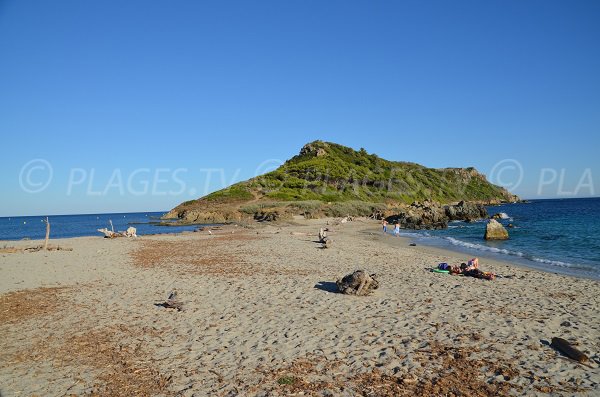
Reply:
x=358 y=283
x=495 y=231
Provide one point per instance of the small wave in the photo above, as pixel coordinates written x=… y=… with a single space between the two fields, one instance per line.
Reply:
x=409 y=234
x=519 y=254
x=480 y=247
x=555 y=263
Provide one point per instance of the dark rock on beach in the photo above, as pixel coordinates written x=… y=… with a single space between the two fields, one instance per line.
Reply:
x=358 y=283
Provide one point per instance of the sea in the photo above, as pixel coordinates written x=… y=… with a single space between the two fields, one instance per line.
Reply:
x=65 y=226
x=559 y=235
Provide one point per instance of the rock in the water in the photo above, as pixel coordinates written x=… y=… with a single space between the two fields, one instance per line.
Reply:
x=358 y=283
x=500 y=215
x=495 y=231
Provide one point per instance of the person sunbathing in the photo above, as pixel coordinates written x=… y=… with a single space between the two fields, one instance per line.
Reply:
x=472 y=264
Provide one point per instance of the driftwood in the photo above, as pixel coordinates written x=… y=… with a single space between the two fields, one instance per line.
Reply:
x=358 y=283
x=323 y=239
x=171 y=302
x=47 y=234
x=131 y=232
x=110 y=234
x=568 y=350
x=15 y=250
x=323 y=235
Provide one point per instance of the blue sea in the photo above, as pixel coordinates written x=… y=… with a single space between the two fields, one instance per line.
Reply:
x=561 y=236
x=63 y=226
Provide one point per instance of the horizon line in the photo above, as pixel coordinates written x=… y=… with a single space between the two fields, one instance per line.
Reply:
x=163 y=211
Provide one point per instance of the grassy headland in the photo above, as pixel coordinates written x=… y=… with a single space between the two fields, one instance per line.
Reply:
x=327 y=179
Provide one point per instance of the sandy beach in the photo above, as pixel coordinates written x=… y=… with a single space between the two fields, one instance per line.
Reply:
x=261 y=317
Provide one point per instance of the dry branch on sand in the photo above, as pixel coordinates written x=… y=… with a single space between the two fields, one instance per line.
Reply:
x=130 y=232
x=16 y=250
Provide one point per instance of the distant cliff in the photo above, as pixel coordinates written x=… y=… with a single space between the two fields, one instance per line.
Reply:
x=327 y=179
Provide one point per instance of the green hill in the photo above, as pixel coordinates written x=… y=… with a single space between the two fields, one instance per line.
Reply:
x=334 y=180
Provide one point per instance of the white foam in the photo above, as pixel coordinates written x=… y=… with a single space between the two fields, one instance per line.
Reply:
x=504 y=251
x=553 y=263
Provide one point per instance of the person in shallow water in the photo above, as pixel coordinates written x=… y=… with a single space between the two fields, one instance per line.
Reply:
x=397 y=229
x=384 y=224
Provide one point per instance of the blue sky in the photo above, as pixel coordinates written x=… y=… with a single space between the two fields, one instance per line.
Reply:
x=184 y=97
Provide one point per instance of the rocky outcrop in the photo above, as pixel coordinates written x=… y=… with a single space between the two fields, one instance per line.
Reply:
x=465 y=211
x=317 y=148
x=424 y=215
x=429 y=215
x=495 y=231
x=206 y=215
x=271 y=215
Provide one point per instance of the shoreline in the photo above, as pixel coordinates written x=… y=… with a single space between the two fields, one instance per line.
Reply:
x=459 y=254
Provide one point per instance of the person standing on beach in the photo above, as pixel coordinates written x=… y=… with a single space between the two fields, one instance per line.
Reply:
x=384 y=223
x=397 y=229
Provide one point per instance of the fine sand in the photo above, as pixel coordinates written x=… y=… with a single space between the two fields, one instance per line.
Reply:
x=261 y=317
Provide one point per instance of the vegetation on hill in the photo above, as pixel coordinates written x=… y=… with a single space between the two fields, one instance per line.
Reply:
x=331 y=179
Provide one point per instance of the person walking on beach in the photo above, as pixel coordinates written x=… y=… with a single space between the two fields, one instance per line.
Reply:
x=397 y=229
x=384 y=223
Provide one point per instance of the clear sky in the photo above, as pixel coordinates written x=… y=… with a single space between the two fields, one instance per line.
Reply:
x=140 y=105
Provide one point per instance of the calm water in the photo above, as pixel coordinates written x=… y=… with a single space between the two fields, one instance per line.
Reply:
x=61 y=226
x=554 y=235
